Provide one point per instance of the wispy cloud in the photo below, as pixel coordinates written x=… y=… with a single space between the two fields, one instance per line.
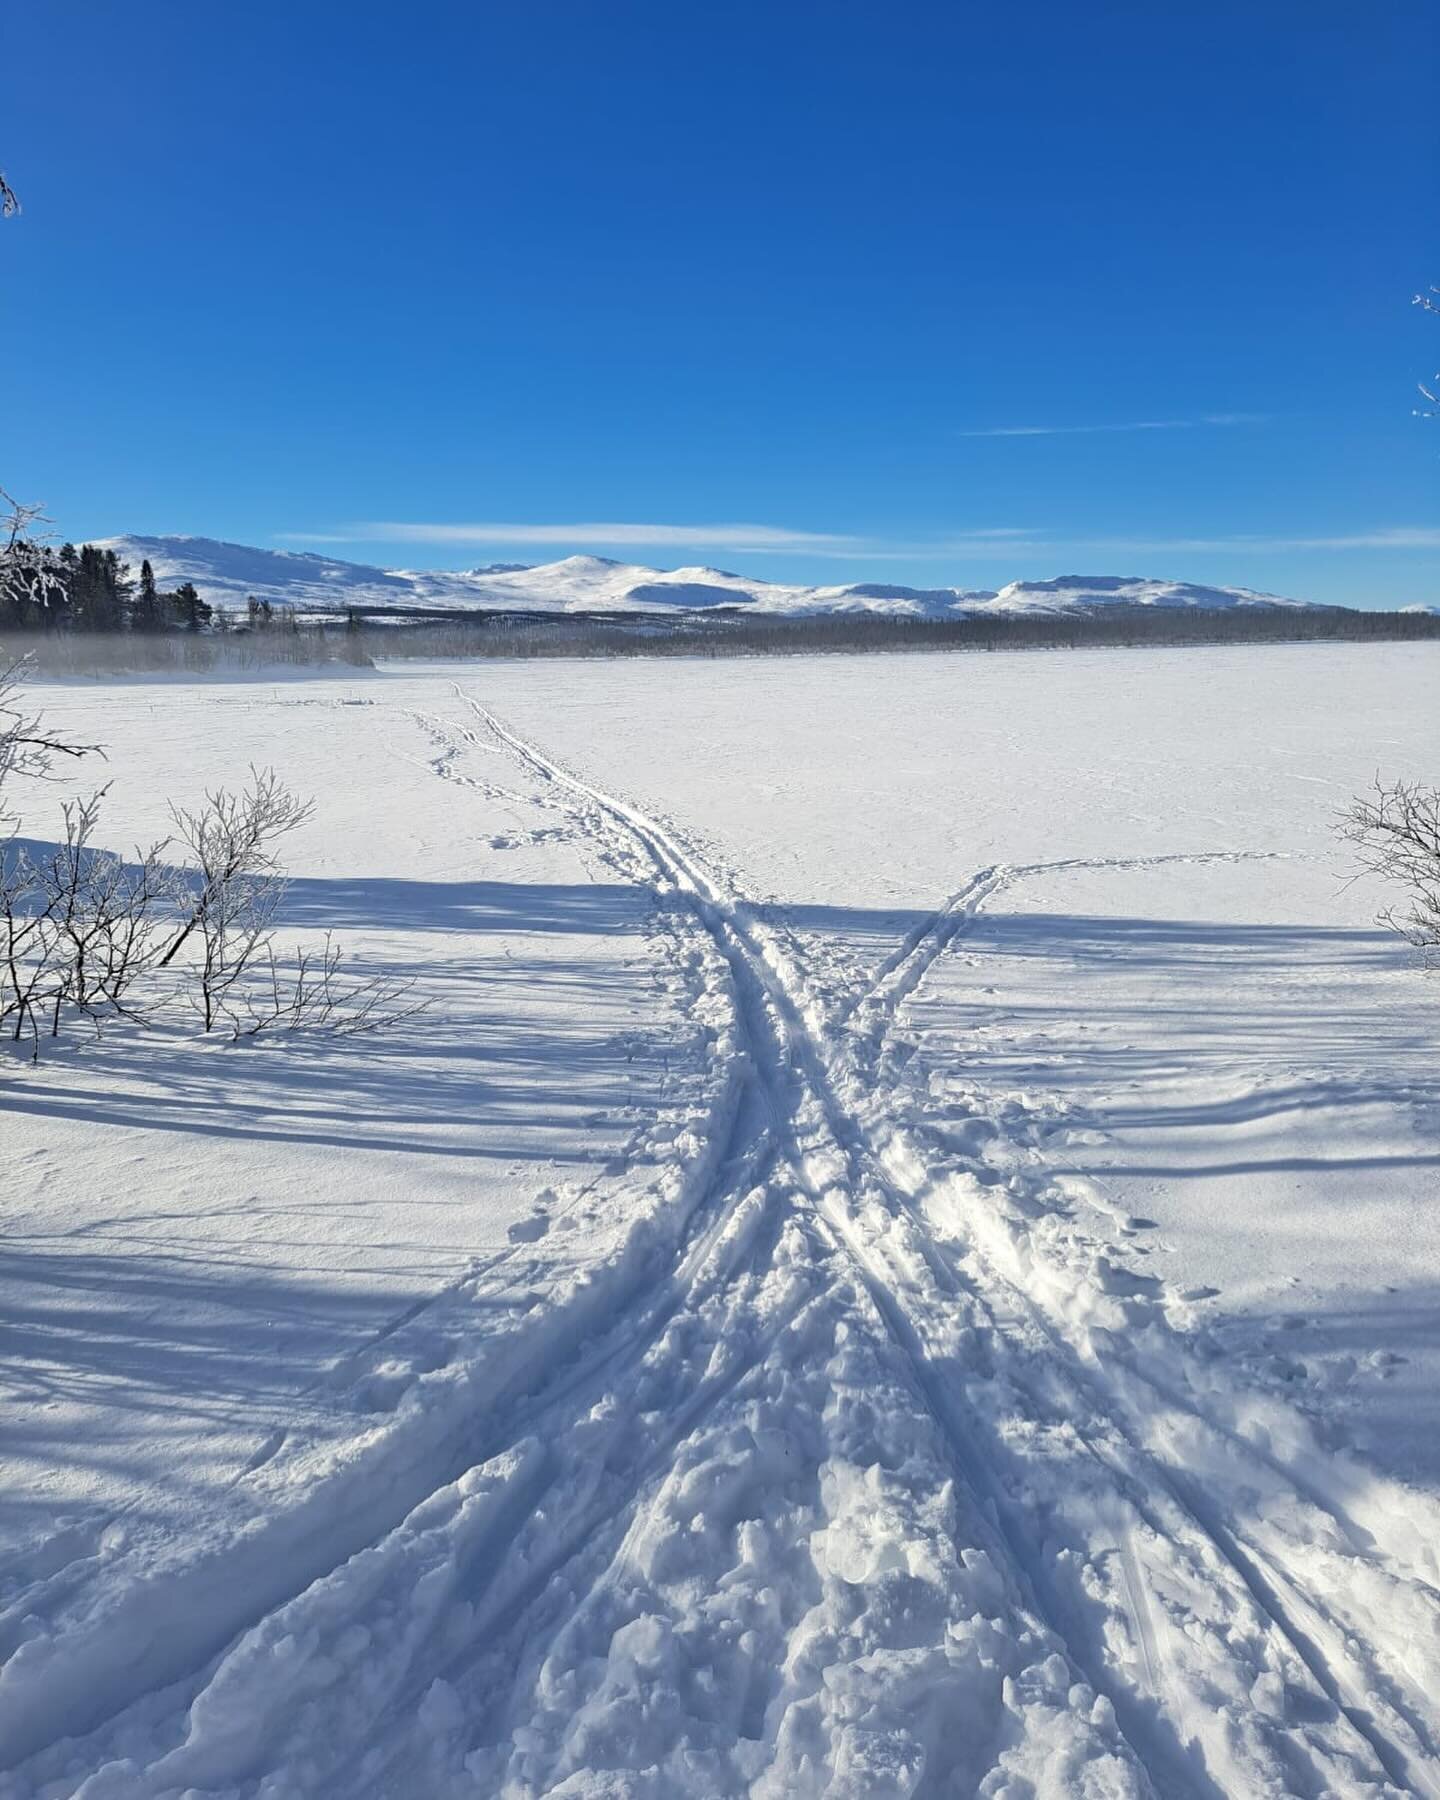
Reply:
x=606 y=534
x=1400 y=537
x=610 y=535
x=1025 y=431
x=1003 y=546
x=993 y=543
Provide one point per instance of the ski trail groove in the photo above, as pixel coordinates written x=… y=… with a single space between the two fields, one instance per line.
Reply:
x=760 y=964
x=833 y=1385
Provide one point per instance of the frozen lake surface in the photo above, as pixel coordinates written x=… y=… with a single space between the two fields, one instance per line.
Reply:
x=902 y=1258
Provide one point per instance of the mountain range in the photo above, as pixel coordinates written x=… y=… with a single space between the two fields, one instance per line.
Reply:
x=231 y=574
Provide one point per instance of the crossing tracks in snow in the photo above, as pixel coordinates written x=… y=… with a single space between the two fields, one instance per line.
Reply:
x=867 y=1472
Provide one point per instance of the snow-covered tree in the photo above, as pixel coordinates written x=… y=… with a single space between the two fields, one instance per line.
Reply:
x=34 y=591
x=29 y=583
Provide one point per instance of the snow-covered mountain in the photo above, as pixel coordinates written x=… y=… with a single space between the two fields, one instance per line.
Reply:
x=231 y=573
x=1067 y=593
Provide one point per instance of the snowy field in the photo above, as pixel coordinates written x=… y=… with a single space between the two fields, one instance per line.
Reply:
x=902 y=1258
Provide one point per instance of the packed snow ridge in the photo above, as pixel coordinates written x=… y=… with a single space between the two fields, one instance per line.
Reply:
x=230 y=574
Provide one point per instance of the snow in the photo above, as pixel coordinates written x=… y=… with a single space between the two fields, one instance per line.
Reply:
x=902 y=1260
x=229 y=574
x=1067 y=592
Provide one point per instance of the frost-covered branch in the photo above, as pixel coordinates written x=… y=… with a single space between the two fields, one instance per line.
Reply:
x=234 y=840
x=32 y=581
x=26 y=748
x=86 y=935
x=1396 y=831
x=79 y=927
x=241 y=982
x=1430 y=301
x=312 y=996
x=27 y=584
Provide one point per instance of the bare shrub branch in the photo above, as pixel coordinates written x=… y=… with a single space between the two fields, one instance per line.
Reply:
x=1396 y=831
x=28 y=581
x=234 y=839
x=79 y=928
x=25 y=746
x=311 y=996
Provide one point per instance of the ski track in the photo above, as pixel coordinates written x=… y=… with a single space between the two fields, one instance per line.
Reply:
x=865 y=1472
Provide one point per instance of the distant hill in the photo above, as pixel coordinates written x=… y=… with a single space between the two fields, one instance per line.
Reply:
x=1069 y=593
x=230 y=573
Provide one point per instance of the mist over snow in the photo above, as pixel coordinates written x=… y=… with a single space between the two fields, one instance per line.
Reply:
x=229 y=574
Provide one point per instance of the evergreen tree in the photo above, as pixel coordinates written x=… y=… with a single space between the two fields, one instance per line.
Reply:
x=59 y=577
x=119 y=587
x=108 y=588
x=97 y=596
x=192 y=612
x=67 y=564
x=147 y=613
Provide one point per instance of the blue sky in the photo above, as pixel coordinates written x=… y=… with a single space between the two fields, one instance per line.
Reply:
x=942 y=292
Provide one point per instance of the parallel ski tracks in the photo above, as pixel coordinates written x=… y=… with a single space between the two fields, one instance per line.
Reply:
x=805 y=1151
x=787 y=1037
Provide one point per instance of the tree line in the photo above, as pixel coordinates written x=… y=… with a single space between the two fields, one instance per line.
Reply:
x=90 y=589
x=723 y=632
x=358 y=642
